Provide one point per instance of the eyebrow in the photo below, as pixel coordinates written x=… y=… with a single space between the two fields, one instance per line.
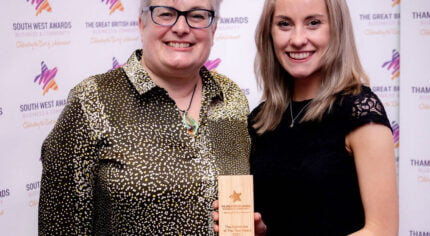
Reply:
x=283 y=17
x=191 y=8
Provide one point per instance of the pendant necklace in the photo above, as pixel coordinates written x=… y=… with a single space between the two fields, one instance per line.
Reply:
x=189 y=123
x=293 y=119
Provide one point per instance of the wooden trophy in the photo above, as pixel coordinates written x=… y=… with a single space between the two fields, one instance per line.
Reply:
x=236 y=205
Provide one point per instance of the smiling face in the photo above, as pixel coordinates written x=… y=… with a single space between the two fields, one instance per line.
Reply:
x=300 y=33
x=178 y=49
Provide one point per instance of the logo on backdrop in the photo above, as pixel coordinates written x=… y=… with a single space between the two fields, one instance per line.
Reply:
x=234 y=20
x=114 y=5
x=418 y=233
x=422 y=165
x=31 y=33
x=388 y=94
x=1 y=111
x=423 y=94
x=41 y=5
x=115 y=64
x=33 y=192
x=229 y=27
x=37 y=114
x=420 y=162
x=112 y=32
x=396 y=133
x=421 y=14
x=4 y=193
x=381 y=19
x=422 y=18
x=103 y=31
x=393 y=65
x=423 y=169
x=47 y=78
x=395 y=2
x=212 y=64
x=420 y=89
x=381 y=23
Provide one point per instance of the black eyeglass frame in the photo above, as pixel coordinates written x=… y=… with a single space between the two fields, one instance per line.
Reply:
x=181 y=13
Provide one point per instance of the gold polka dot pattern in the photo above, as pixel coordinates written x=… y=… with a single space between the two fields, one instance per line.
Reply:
x=120 y=162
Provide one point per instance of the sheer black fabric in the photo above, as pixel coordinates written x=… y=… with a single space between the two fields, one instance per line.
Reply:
x=305 y=180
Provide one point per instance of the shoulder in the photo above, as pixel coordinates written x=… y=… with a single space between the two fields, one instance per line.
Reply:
x=251 y=120
x=363 y=103
x=85 y=99
x=235 y=103
x=364 y=107
x=226 y=84
x=93 y=84
x=88 y=93
x=255 y=111
x=230 y=90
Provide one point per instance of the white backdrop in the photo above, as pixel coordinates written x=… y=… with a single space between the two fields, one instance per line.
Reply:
x=48 y=46
x=415 y=116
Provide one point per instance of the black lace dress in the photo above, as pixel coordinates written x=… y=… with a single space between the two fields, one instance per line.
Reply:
x=305 y=180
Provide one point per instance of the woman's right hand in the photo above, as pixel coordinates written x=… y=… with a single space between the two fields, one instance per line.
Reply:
x=259 y=226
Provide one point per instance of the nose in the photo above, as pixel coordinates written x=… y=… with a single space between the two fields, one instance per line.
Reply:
x=299 y=37
x=181 y=27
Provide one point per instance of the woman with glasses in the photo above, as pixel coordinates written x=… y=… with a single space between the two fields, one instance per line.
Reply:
x=137 y=150
x=322 y=149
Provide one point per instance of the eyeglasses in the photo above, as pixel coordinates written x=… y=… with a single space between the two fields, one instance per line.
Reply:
x=168 y=16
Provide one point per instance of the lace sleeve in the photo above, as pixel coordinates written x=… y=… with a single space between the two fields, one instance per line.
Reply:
x=367 y=108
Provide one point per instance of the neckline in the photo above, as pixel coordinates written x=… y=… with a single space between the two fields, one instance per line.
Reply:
x=304 y=102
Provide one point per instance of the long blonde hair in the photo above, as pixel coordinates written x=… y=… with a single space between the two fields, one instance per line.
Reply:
x=342 y=72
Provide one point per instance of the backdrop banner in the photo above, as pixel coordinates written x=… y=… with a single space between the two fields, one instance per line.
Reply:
x=414 y=171
x=48 y=46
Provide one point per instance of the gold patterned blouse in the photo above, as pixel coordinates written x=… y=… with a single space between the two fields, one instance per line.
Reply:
x=119 y=160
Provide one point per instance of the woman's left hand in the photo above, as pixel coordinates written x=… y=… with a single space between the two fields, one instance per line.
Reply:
x=259 y=226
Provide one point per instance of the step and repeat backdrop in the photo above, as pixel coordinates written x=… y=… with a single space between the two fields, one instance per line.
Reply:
x=48 y=46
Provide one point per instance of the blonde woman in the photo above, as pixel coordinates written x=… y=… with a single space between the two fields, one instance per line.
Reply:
x=321 y=135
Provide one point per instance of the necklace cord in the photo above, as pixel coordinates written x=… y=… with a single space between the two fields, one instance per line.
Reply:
x=293 y=119
x=191 y=101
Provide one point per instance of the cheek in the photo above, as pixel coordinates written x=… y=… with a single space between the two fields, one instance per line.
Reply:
x=210 y=40
x=279 y=48
x=325 y=39
x=279 y=39
x=206 y=41
x=207 y=36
